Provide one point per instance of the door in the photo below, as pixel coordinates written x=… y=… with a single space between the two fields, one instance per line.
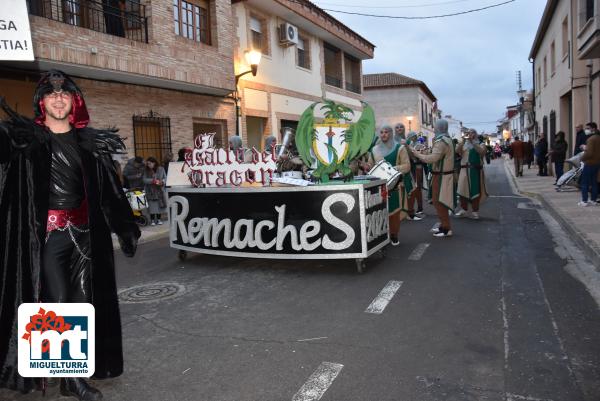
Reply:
x=255 y=128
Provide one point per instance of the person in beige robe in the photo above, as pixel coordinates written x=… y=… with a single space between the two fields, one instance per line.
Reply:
x=471 y=180
x=442 y=166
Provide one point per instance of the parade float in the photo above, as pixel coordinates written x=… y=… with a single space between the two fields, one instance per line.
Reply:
x=239 y=202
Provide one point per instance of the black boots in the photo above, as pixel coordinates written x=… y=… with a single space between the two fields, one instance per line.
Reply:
x=78 y=388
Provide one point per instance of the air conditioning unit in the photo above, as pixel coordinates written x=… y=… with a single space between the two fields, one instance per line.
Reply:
x=288 y=35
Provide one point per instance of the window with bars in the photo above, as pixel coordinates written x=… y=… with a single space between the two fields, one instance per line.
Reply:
x=192 y=20
x=152 y=135
x=303 y=47
x=333 y=65
x=259 y=38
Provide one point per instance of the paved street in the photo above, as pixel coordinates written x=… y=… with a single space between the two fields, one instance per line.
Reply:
x=490 y=314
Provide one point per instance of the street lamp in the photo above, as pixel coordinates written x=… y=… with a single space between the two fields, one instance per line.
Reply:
x=409 y=118
x=253 y=59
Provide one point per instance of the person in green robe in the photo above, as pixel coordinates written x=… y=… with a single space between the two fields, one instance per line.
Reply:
x=389 y=150
x=471 y=179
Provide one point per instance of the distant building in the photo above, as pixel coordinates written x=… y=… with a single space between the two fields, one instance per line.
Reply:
x=397 y=98
x=566 y=64
x=454 y=126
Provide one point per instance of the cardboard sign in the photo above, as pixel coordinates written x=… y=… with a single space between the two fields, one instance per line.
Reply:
x=208 y=166
x=337 y=221
x=15 y=34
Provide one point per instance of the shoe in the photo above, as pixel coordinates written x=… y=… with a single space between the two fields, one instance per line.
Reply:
x=460 y=213
x=394 y=240
x=153 y=223
x=475 y=215
x=414 y=217
x=583 y=204
x=420 y=212
x=435 y=228
x=160 y=223
x=79 y=388
x=442 y=232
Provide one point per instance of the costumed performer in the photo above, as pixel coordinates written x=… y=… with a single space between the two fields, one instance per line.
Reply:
x=60 y=199
x=396 y=155
x=442 y=170
x=471 y=180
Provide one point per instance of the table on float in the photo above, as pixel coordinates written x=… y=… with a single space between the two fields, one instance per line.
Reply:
x=333 y=221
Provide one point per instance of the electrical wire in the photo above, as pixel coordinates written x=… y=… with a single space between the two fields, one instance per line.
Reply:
x=423 y=17
x=404 y=6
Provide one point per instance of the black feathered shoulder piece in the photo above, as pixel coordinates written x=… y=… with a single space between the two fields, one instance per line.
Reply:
x=101 y=141
x=20 y=130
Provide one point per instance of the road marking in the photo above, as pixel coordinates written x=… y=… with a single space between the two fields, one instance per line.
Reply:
x=318 y=382
x=418 y=252
x=506 y=196
x=312 y=339
x=384 y=297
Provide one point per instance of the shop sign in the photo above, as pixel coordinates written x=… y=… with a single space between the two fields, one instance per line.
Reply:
x=15 y=34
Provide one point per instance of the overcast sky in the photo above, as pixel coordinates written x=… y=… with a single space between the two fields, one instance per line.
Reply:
x=469 y=62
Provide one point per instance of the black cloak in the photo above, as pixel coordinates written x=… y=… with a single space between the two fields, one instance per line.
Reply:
x=25 y=159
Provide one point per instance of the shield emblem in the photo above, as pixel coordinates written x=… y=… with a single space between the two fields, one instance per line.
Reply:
x=332 y=135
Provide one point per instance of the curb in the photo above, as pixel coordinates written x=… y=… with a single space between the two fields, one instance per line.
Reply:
x=579 y=238
x=144 y=239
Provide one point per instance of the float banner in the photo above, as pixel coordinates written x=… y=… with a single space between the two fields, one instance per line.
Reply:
x=15 y=34
x=309 y=222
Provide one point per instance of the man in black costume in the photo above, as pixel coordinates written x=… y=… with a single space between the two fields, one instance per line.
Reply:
x=60 y=198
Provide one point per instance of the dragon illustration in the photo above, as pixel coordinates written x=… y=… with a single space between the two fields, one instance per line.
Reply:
x=359 y=137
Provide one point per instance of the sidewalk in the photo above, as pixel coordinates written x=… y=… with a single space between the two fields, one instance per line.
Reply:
x=149 y=233
x=581 y=223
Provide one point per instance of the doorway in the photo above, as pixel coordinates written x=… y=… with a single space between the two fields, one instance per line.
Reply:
x=255 y=129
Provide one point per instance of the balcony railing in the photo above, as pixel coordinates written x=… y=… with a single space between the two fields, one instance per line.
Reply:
x=333 y=81
x=352 y=87
x=126 y=19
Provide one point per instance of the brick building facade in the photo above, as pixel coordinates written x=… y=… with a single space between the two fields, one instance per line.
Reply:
x=142 y=69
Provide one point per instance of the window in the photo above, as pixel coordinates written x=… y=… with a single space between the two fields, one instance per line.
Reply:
x=545 y=71
x=565 y=37
x=192 y=20
x=539 y=79
x=422 y=112
x=303 y=59
x=333 y=65
x=259 y=40
x=152 y=135
x=545 y=126
x=552 y=58
x=352 y=73
x=552 y=135
x=589 y=10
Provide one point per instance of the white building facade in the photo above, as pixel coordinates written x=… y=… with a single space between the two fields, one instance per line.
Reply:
x=566 y=67
x=397 y=98
x=323 y=60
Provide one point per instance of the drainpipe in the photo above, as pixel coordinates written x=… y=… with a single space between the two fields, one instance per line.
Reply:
x=590 y=65
x=533 y=99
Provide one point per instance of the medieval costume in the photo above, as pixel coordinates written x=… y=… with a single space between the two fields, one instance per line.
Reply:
x=471 y=179
x=400 y=133
x=442 y=170
x=395 y=154
x=416 y=171
x=60 y=198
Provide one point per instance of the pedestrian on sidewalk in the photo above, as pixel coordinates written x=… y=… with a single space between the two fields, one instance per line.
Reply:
x=133 y=173
x=528 y=152
x=541 y=155
x=558 y=155
x=471 y=180
x=518 y=154
x=154 y=186
x=580 y=139
x=442 y=184
x=591 y=160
